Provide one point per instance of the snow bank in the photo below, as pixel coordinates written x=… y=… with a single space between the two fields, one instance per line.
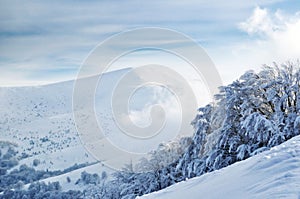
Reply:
x=271 y=174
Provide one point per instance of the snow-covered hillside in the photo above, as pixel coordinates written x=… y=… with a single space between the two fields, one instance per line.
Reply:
x=258 y=112
x=271 y=174
x=40 y=121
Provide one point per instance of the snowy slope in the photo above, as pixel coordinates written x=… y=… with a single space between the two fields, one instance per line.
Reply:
x=271 y=174
x=39 y=119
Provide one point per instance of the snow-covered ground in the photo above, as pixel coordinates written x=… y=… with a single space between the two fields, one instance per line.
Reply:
x=271 y=174
x=40 y=121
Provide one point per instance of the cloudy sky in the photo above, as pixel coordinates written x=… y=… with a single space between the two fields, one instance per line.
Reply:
x=43 y=42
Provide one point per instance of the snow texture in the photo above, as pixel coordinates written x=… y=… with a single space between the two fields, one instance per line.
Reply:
x=271 y=174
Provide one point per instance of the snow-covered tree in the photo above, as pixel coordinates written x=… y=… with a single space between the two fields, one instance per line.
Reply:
x=252 y=114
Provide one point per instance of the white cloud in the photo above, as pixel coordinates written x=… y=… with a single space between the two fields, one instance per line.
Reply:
x=260 y=22
x=265 y=23
x=287 y=42
x=273 y=37
x=281 y=32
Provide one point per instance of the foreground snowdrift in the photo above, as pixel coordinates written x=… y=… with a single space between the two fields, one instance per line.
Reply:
x=271 y=174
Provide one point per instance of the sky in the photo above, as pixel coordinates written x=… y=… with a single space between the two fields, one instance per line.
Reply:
x=46 y=41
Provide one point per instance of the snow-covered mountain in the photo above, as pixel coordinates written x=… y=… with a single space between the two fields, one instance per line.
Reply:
x=255 y=121
x=40 y=121
x=271 y=174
